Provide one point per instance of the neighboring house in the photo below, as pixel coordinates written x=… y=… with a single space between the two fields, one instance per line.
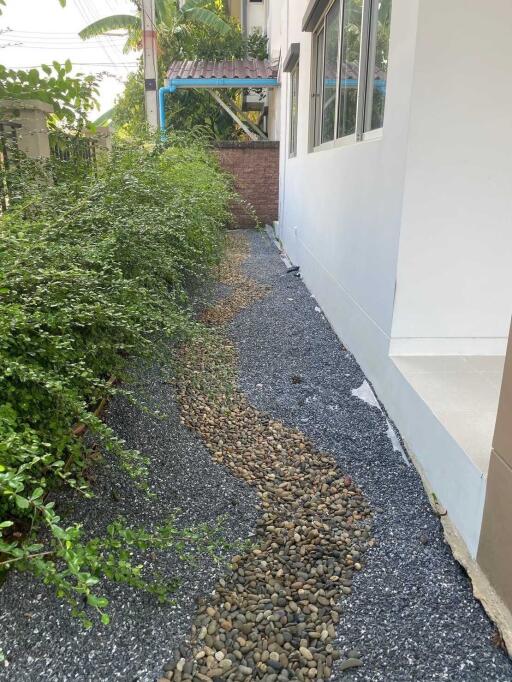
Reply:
x=395 y=200
x=252 y=14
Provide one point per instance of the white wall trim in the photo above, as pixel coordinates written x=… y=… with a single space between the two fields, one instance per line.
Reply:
x=448 y=346
x=459 y=485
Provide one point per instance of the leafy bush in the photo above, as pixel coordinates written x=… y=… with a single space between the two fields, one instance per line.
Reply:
x=71 y=96
x=90 y=272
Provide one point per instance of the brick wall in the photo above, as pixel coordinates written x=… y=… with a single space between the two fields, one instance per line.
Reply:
x=255 y=168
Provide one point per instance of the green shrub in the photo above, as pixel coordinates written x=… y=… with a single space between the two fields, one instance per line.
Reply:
x=91 y=271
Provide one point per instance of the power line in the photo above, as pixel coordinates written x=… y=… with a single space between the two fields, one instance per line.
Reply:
x=89 y=19
x=58 y=43
x=115 y=66
x=73 y=38
x=44 y=33
x=52 y=47
x=62 y=34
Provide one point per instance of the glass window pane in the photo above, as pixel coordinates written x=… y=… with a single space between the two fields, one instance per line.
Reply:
x=378 y=66
x=319 y=57
x=349 y=73
x=332 y=31
x=294 y=105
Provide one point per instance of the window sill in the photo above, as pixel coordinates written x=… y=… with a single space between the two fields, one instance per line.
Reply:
x=349 y=141
x=377 y=134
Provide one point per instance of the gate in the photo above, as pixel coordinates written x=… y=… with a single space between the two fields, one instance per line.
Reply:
x=9 y=156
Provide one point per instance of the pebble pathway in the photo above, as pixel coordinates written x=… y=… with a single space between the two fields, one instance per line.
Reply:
x=273 y=615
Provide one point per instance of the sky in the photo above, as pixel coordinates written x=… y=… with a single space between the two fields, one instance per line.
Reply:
x=42 y=32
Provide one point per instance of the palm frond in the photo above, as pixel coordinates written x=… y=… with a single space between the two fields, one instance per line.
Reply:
x=112 y=23
x=193 y=10
x=105 y=118
x=166 y=11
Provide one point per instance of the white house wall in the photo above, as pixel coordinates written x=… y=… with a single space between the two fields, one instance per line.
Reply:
x=341 y=208
x=342 y=211
x=276 y=25
x=454 y=282
x=256 y=16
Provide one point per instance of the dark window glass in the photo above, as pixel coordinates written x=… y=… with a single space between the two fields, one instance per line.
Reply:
x=317 y=94
x=349 y=71
x=294 y=109
x=378 y=65
x=332 y=36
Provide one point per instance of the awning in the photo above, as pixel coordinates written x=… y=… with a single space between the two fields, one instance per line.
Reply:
x=291 y=58
x=203 y=72
x=226 y=73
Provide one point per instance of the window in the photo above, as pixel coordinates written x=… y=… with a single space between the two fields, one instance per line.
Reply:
x=349 y=70
x=351 y=43
x=332 y=28
x=378 y=65
x=317 y=94
x=294 y=108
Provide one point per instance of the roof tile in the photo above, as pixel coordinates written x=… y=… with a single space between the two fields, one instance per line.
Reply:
x=229 y=68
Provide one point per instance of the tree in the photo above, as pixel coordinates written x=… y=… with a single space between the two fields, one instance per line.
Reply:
x=72 y=97
x=187 y=109
x=169 y=17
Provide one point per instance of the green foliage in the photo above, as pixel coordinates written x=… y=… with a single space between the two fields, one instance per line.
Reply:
x=168 y=14
x=127 y=22
x=90 y=272
x=199 y=12
x=128 y=115
x=105 y=119
x=118 y=556
x=187 y=109
x=71 y=96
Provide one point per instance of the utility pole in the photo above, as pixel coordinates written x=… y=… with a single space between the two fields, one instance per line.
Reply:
x=149 y=53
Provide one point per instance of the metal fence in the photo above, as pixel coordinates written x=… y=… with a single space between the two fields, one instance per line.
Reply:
x=71 y=157
x=74 y=156
x=9 y=157
x=73 y=148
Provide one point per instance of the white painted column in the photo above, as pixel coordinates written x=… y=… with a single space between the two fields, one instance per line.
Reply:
x=149 y=53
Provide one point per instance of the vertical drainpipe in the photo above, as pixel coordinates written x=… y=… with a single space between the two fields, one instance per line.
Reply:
x=161 y=106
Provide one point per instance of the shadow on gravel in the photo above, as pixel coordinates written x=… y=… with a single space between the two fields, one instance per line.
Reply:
x=42 y=640
x=412 y=615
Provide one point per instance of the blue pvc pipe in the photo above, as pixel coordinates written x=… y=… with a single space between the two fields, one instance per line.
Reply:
x=161 y=106
x=209 y=83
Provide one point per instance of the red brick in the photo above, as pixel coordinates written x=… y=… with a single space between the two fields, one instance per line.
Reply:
x=255 y=170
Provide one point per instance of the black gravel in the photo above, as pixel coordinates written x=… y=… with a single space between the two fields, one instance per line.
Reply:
x=43 y=641
x=412 y=615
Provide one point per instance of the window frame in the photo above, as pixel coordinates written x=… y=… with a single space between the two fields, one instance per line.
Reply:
x=372 y=26
x=316 y=89
x=367 y=51
x=324 y=56
x=294 y=74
